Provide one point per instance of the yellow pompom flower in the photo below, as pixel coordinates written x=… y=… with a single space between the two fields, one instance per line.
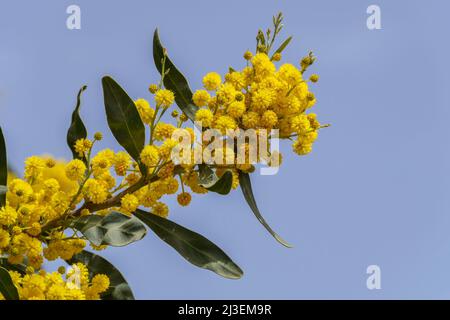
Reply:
x=166 y=148
x=164 y=98
x=122 y=162
x=205 y=116
x=150 y=156
x=160 y=209
x=4 y=239
x=163 y=131
x=145 y=111
x=224 y=123
x=250 y=120
x=34 y=166
x=82 y=146
x=301 y=124
x=95 y=191
x=184 y=198
x=262 y=65
x=201 y=98
x=129 y=203
x=236 y=109
x=301 y=148
x=212 y=81
x=269 y=119
x=100 y=282
x=75 y=170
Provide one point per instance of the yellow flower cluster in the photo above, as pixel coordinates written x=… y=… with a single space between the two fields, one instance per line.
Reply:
x=53 y=286
x=261 y=96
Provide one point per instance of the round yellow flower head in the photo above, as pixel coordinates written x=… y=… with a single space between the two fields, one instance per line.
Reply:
x=34 y=167
x=82 y=146
x=145 y=111
x=129 y=203
x=164 y=98
x=95 y=191
x=212 y=81
x=160 y=209
x=236 y=109
x=269 y=119
x=225 y=122
x=201 y=98
x=205 y=116
x=150 y=155
x=75 y=170
x=122 y=162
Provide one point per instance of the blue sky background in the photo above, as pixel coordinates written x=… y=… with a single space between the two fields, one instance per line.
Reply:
x=374 y=190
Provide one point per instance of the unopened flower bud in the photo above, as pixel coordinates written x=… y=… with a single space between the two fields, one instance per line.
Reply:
x=248 y=55
x=98 y=136
x=314 y=78
x=153 y=88
x=276 y=57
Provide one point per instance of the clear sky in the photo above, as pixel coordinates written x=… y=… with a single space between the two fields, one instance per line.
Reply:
x=374 y=190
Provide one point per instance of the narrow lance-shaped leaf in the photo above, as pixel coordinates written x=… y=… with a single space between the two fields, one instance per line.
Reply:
x=7 y=288
x=114 y=229
x=3 y=168
x=123 y=118
x=282 y=46
x=119 y=288
x=244 y=181
x=174 y=80
x=77 y=129
x=192 y=246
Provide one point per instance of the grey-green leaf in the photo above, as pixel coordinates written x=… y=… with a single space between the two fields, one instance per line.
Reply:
x=119 y=288
x=209 y=180
x=283 y=46
x=222 y=185
x=174 y=80
x=123 y=118
x=77 y=129
x=3 y=168
x=192 y=246
x=3 y=190
x=246 y=186
x=7 y=287
x=114 y=229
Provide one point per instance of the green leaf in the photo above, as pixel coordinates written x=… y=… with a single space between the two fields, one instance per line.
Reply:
x=7 y=287
x=114 y=229
x=119 y=288
x=3 y=190
x=246 y=186
x=222 y=185
x=174 y=80
x=192 y=246
x=282 y=46
x=205 y=174
x=209 y=180
x=77 y=130
x=3 y=168
x=21 y=268
x=123 y=118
